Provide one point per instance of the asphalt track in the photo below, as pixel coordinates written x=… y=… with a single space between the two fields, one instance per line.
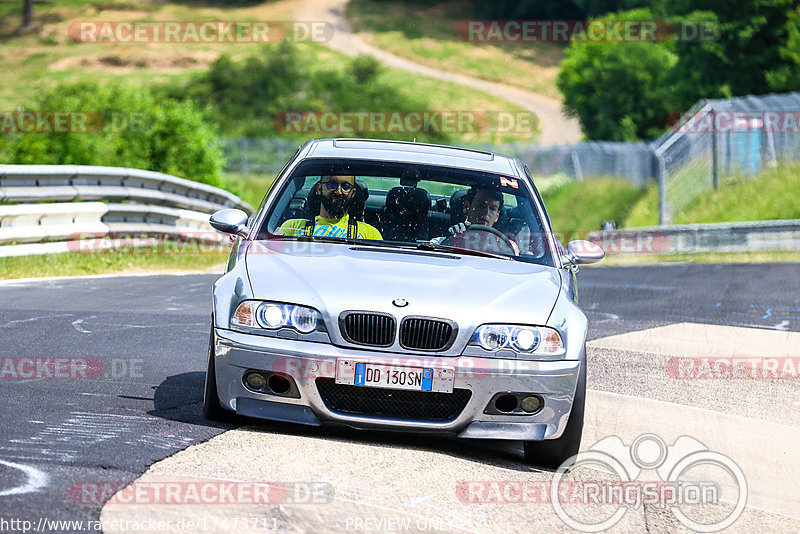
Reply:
x=141 y=402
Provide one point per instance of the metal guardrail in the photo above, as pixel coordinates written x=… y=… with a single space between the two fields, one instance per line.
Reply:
x=733 y=237
x=55 y=207
x=166 y=206
x=65 y=183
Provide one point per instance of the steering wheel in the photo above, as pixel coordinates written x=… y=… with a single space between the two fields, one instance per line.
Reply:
x=497 y=233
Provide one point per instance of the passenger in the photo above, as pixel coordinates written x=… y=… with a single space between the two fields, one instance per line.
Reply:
x=337 y=195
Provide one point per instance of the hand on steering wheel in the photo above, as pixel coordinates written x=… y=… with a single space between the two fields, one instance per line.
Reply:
x=513 y=248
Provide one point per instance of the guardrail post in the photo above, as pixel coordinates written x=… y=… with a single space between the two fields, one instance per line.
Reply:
x=245 y=161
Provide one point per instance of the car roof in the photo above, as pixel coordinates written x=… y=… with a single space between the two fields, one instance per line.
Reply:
x=407 y=151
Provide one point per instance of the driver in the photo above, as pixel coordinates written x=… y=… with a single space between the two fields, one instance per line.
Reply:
x=482 y=206
x=337 y=194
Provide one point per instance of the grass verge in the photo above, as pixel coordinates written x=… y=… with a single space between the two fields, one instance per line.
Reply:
x=772 y=195
x=142 y=261
x=583 y=206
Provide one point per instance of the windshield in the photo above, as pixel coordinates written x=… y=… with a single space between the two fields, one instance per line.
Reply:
x=408 y=205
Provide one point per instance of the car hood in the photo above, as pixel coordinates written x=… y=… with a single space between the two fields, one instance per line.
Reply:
x=467 y=289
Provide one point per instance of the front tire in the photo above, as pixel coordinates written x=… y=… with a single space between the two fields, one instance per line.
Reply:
x=212 y=409
x=553 y=453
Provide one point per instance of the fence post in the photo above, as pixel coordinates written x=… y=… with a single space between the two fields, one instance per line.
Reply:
x=245 y=162
x=576 y=165
x=661 y=175
x=714 y=157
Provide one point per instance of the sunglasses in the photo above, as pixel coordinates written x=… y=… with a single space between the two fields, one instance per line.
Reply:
x=333 y=186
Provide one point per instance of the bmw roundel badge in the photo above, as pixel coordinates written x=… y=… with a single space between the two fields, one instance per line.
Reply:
x=400 y=303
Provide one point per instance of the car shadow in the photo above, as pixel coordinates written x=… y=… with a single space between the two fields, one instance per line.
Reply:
x=180 y=398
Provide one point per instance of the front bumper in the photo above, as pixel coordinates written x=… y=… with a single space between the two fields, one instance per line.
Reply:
x=305 y=361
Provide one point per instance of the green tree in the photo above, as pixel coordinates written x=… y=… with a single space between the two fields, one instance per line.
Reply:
x=618 y=90
x=126 y=127
x=749 y=51
x=786 y=77
x=250 y=97
x=553 y=9
x=27 y=14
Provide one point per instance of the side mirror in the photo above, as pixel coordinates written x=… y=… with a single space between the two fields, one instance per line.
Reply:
x=581 y=252
x=230 y=222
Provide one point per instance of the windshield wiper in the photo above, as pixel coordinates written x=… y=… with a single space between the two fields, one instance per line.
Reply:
x=343 y=240
x=427 y=245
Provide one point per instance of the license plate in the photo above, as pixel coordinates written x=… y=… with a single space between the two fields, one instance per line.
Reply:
x=395 y=377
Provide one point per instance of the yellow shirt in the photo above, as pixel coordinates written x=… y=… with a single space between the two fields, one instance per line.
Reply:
x=329 y=227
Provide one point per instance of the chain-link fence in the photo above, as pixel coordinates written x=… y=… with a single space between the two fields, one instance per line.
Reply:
x=721 y=139
x=630 y=161
x=712 y=142
x=249 y=155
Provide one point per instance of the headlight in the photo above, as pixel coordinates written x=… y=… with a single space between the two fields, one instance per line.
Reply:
x=533 y=340
x=275 y=315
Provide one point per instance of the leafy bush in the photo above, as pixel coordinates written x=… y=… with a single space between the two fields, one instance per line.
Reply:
x=249 y=97
x=552 y=9
x=126 y=127
x=753 y=48
x=618 y=90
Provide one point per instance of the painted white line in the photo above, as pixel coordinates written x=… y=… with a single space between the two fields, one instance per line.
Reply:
x=688 y=340
x=31 y=319
x=76 y=324
x=668 y=405
x=764 y=451
x=36 y=479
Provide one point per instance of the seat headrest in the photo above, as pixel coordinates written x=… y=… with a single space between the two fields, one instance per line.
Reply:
x=457 y=213
x=409 y=200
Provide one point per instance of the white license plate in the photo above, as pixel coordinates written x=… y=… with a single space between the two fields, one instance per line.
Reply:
x=395 y=377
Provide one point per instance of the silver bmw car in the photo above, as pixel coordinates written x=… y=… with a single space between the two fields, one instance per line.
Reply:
x=402 y=286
